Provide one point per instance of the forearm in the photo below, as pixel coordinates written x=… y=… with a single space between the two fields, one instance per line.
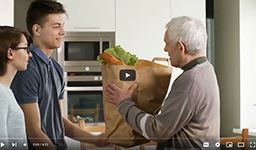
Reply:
x=38 y=136
x=131 y=114
x=144 y=123
x=74 y=132
x=175 y=114
x=147 y=125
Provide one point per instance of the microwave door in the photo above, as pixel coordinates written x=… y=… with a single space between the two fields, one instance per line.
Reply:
x=81 y=53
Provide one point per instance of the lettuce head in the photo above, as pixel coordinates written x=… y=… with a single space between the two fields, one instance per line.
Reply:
x=126 y=57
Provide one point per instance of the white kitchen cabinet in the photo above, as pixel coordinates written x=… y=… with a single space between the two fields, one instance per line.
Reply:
x=90 y=15
x=140 y=26
x=7 y=14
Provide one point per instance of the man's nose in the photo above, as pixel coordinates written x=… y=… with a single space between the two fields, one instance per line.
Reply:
x=62 y=32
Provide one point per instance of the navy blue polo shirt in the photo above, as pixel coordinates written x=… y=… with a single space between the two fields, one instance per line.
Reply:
x=35 y=85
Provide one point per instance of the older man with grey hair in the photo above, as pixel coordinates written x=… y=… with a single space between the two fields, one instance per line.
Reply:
x=190 y=115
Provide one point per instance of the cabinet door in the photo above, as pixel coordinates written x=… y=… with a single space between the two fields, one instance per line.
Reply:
x=7 y=15
x=90 y=15
x=72 y=13
x=140 y=26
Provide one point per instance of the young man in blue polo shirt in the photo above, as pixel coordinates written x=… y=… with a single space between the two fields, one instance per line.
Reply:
x=39 y=90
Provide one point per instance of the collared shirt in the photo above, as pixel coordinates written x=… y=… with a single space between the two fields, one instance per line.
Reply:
x=35 y=85
x=193 y=63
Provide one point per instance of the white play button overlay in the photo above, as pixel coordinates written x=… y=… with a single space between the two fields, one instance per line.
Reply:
x=127 y=75
x=2 y=144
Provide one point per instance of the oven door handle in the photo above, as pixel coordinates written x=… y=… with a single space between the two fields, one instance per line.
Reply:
x=98 y=88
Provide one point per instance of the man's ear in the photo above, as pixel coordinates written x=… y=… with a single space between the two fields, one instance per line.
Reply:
x=10 y=54
x=182 y=47
x=36 y=29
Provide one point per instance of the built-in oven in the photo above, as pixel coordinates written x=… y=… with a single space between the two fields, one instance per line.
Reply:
x=82 y=48
x=83 y=96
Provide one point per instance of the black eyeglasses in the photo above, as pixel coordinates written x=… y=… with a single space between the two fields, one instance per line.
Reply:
x=25 y=48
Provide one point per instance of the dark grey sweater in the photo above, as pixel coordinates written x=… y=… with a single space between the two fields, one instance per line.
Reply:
x=190 y=114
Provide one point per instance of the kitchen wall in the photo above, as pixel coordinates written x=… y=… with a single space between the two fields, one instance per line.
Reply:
x=186 y=7
x=234 y=40
x=227 y=68
x=6 y=16
x=20 y=10
x=247 y=62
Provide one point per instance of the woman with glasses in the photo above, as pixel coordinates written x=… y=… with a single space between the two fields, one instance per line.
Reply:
x=14 y=55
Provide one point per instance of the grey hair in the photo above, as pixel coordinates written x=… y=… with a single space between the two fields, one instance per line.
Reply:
x=190 y=31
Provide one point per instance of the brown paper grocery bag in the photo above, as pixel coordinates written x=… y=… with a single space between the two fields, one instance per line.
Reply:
x=153 y=82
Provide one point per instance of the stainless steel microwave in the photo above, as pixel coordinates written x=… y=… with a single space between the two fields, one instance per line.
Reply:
x=80 y=49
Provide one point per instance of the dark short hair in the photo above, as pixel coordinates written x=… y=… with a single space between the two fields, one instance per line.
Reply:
x=10 y=37
x=39 y=10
